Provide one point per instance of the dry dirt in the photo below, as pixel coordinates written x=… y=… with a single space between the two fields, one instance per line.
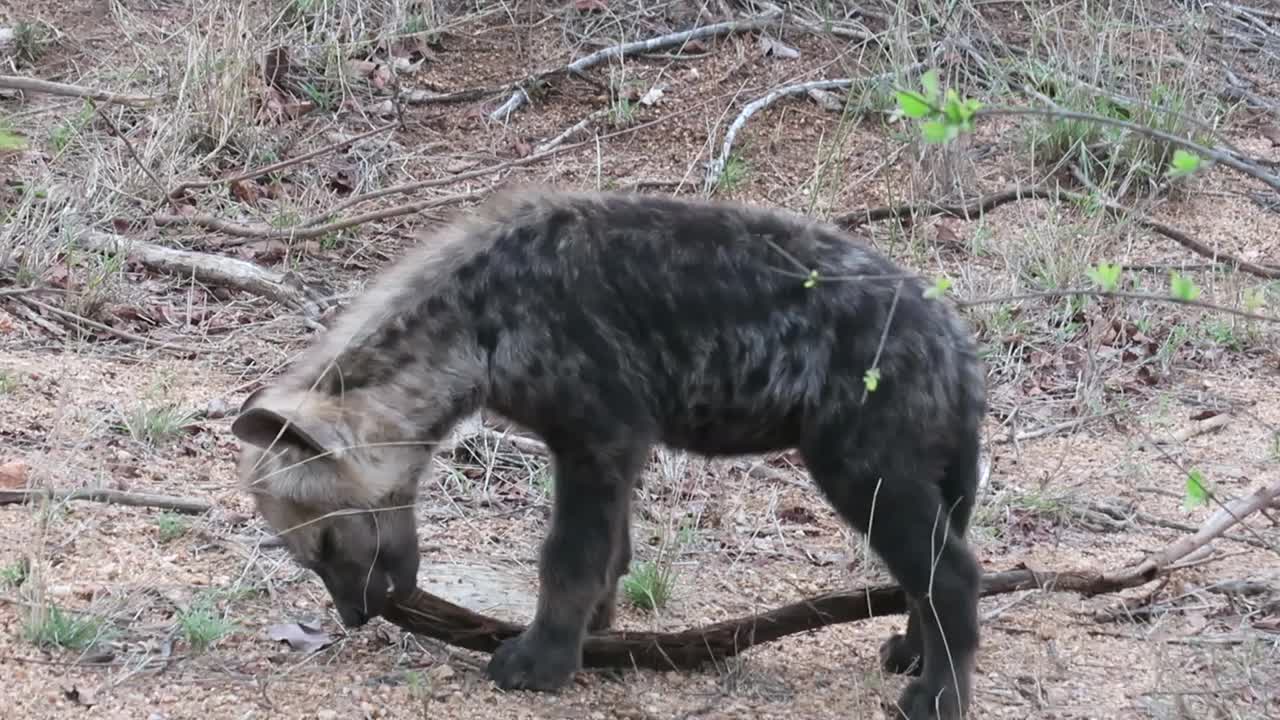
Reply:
x=739 y=542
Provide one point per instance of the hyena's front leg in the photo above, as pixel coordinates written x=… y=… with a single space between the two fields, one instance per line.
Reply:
x=579 y=560
x=606 y=609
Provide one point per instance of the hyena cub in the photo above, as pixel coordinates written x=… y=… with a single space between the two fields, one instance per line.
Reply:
x=609 y=323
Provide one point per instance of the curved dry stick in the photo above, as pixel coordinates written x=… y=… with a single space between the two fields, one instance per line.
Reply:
x=717 y=166
x=520 y=97
x=435 y=617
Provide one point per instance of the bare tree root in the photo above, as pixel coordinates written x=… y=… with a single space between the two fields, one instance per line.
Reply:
x=25 y=84
x=284 y=288
x=520 y=97
x=110 y=497
x=435 y=617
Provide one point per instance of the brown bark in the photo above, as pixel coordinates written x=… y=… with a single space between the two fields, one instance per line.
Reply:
x=435 y=617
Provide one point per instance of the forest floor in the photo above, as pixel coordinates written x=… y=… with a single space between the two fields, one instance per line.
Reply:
x=123 y=373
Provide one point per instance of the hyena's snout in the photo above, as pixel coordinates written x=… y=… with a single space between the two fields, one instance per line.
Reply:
x=363 y=576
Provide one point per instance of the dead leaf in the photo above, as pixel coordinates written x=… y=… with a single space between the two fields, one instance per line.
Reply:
x=654 y=95
x=6 y=323
x=1272 y=133
x=777 y=48
x=798 y=515
x=586 y=6
x=300 y=636
x=245 y=191
x=947 y=236
x=264 y=251
x=522 y=148
x=13 y=474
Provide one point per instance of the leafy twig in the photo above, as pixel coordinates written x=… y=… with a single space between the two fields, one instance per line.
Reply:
x=1089 y=292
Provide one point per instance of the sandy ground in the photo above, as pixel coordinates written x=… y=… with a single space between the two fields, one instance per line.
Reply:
x=743 y=543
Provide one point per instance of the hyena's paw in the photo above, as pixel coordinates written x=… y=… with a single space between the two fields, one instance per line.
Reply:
x=920 y=702
x=525 y=663
x=899 y=656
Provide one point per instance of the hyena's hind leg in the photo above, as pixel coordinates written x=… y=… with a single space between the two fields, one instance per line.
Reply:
x=579 y=560
x=904 y=653
x=891 y=499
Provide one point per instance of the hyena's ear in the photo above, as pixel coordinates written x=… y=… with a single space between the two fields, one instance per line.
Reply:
x=267 y=421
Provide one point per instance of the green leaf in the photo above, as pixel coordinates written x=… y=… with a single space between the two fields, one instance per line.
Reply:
x=940 y=287
x=913 y=105
x=1106 y=276
x=1196 y=494
x=1182 y=288
x=929 y=82
x=812 y=280
x=871 y=379
x=935 y=131
x=1183 y=163
x=12 y=141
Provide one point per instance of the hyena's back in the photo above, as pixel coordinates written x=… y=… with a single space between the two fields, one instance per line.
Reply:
x=695 y=322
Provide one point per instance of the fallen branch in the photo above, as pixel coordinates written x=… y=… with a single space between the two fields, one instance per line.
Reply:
x=110 y=497
x=435 y=617
x=284 y=288
x=519 y=97
x=281 y=165
x=15 y=82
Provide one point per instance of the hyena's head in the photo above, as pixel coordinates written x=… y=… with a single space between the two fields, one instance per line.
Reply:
x=342 y=502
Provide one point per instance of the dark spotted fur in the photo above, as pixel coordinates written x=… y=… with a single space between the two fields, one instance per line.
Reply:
x=609 y=323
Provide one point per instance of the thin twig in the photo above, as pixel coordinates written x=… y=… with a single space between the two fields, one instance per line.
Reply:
x=258 y=172
x=210 y=222
x=14 y=82
x=1243 y=166
x=128 y=146
x=519 y=97
x=1115 y=294
x=110 y=497
x=987 y=203
x=122 y=334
